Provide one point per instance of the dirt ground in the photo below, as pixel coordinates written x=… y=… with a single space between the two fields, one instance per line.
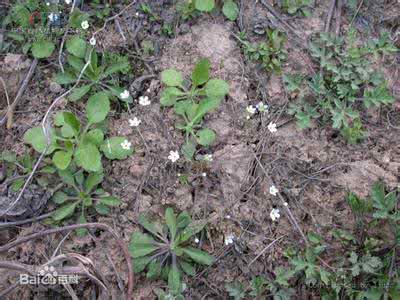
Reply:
x=313 y=168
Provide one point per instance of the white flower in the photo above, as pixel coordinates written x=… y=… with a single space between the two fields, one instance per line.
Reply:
x=173 y=156
x=126 y=145
x=272 y=127
x=273 y=190
x=48 y=3
x=229 y=239
x=144 y=100
x=196 y=240
x=285 y=204
x=262 y=107
x=68 y=1
x=274 y=214
x=92 y=41
x=208 y=157
x=51 y=17
x=204 y=174
x=228 y=217
x=85 y=25
x=124 y=95
x=137 y=14
x=148 y=90
x=247 y=117
x=251 y=109
x=135 y=122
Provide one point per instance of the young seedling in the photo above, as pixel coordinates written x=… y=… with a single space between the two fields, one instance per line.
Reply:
x=70 y=141
x=192 y=101
x=164 y=250
x=81 y=195
x=98 y=76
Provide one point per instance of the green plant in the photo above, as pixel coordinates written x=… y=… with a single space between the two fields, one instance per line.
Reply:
x=98 y=76
x=191 y=8
x=294 y=6
x=270 y=54
x=348 y=82
x=236 y=290
x=192 y=101
x=165 y=250
x=82 y=195
x=70 y=141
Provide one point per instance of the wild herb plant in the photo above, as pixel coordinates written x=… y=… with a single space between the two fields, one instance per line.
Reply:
x=165 y=249
x=348 y=85
x=81 y=196
x=191 y=101
x=296 y=6
x=84 y=143
x=191 y=8
x=270 y=54
x=99 y=76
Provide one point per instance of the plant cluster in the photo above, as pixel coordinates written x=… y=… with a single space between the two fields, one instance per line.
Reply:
x=191 y=101
x=190 y=8
x=165 y=251
x=360 y=265
x=270 y=53
x=296 y=6
x=347 y=84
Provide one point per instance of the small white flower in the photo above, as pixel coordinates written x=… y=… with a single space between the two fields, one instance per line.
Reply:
x=124 y=95
x=229 y=239
x=92 y=41
x=144 y=100
x=228 y=217
x=135 y=122
x=51 y=17
x=48 y=3
x=173 y=156
x=148 y=90
x=262 y=107
x=274 y=214
x=272 y=127
x=179 y=174
x=208 y=157
x=251 y=109
x=85 y=25
x=273 y=190
x=126 y=145
x=247 y=117
x=204 y=174
x=68 y=1
x=285 y=204
x=196 y=240
x=137 y=14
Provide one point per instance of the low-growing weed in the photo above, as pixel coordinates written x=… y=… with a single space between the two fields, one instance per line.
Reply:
x=296 y=6
x=165 y=250
x=191 y=101
x=348 y=85
x=71 y=141
x=191 y=8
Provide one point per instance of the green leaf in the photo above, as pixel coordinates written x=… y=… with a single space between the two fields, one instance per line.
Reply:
x=169 y=96
x=117 y=67
x=42 y=49
x=110 y=201
x=154 y=228
x=198 y=256
x=192 y=229
x=204 y=107
x=89 y=157
x=76 y=46
x=64 y=211
x=140 y=263
x=171 y=77
x=60 y=197
x=98 y=107
x=36 y=138
x=92 y=181
x=62 y=159
x=76 y=63
x=70 y=124
x=205 y=137
x=94 y=136
x=112 y=148
x=217 y=88
x=183 y=220
x=230 y=10
x=102 y=209
x=65 y=78
x=188 y=150
x=201 y=72
x=170 y=219
x=79 y=93
x=187 y=268
x=81 y=231
x=67 y=177
x=204 y=5
x=174 y=280
x=154 y=269
x=141 y=245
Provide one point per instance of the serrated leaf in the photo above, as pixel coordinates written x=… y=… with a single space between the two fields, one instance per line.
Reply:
x=217 y=88
x=141 y=245
x=94 y=136
x=102 y=209
x=79 y=93
x=67 y=177
x=36 y=138
x=42 y=49
x=60 y=197
x=188 y=149
x=151 y=227
x=230 y=10
x=169 y=96
x=64 y=211
x=62 y=159
x=198 y=256
x=116 y=67
x=183 y=220
x=205 y=137
x=89 y=157
x=154 y=269
x=112 y=148
x=192 y=229
x=140 y=263
x=205 y=106
x=92 y=181
x=97 y=108
x=201 y=72
x=76 y=46
x=171 y=77
x=204 y=5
